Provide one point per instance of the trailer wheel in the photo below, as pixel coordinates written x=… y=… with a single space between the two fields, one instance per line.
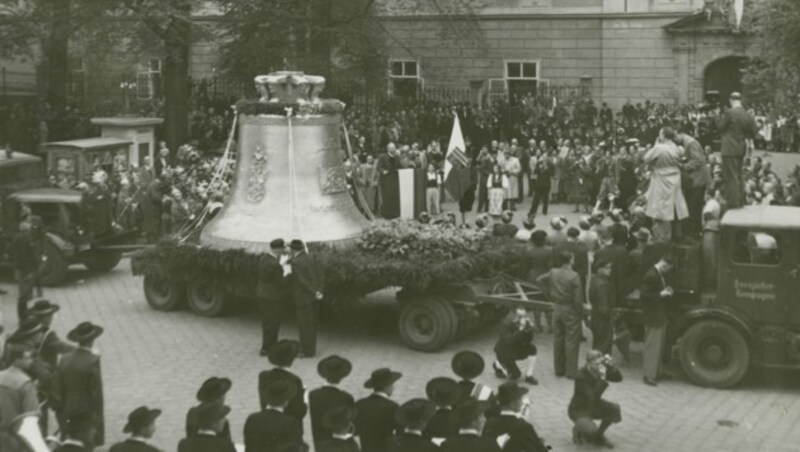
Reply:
x=101 y=261
x=55 y=265
x=162 y=294
x=206 y=299
x=714 y=354
x=427 y=324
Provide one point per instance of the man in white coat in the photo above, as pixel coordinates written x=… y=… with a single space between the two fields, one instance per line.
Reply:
x=665 y=201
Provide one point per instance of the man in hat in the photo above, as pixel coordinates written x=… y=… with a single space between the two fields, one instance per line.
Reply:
x=19 y=405
x=307 y=286
x=272 y=293
x=271 y=427
x=339 y=421
x=654 y=292
x=468 y=366
x=213 y=390
x=333 y=369
x=282 y=356
x=412 y=416
x=602 y=296
x=211 y=419
x=375 y=422
x=736 y=126
x=505 y=228
x=141 y=427
x=587 y=403
x=470 y=416
x=78 y=385
x=444 y=393
x=510 y=429
x=542 y=176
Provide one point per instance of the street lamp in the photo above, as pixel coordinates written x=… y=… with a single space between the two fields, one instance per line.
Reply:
x=126 y=86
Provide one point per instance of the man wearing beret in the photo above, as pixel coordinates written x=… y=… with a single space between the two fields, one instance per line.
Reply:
x=78 y=385
x=141 y=426
x=282 y=356
x=339 y=421
x=266 y=430
x=272 y=293
x=211 y=419
x=444 y=393
x=375 y=422
x=413 y=416
x=510 y=429
x=213 y=390
x=321 y=400
x=307 y=286
x=470 y=415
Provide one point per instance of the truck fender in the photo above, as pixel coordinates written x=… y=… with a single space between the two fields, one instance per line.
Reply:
x=735 y=319
x=67 y=248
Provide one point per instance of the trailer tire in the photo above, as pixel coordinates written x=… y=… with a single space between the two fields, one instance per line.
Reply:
x=427 y=324
x=207 y=300
x=162 y=294
x=714 y=354
x=101 y=261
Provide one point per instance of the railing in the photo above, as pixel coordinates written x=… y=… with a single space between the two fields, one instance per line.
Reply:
x=16 y=83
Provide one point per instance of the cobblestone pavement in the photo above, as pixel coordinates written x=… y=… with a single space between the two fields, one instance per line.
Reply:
x=160 y=359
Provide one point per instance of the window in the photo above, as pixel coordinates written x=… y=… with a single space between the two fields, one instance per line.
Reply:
x=522 y=78
x=77 y=79
x=404 y=69
x=522 y=70
x=756 y=248
x=404 y=78
x=148 y=82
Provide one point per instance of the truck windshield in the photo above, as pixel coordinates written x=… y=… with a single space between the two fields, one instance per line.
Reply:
x=756 y=248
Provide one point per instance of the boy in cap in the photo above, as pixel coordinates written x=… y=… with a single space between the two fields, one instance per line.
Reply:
x=213 y=390
x=516 y=344
x=282 y=356
x=211 y=419
x=412 y=416
x=470 y=416
x=307 y=286
x=339 y=421
x=375 y=422
x=141 y=426
x=510 y=429
x=267 y=429
x=444 y=393
x=468 y=366
x=272 y=293
x=333 y=369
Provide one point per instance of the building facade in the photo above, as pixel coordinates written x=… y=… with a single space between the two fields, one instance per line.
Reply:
x=662 y=50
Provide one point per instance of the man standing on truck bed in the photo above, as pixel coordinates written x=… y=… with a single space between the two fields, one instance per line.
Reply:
x=736 y=127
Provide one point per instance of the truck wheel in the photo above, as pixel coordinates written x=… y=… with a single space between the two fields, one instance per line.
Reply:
x=427 y=324
x=162 y=294
x=714 y=354
x=55 y=265
x=101 y=261
x=206 y=300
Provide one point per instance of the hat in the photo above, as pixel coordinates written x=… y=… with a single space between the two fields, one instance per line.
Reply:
x=642 y=235
x=465 y=412
x=209 y=413
x=42 y=307
x=564 y=220
x=632 y=141
x=284 y=352
x=528 y=224
x=277 y=243
x=424 y=217
x=213 y=388
x=616 y=215
x=585 y=222
x=556 y=224
x=278 y=392
x=85 y=331
x=443 y=391
x=597 y=217
x=297 y=245
x=467 y=364
x=415 y=412
x=510 y=391
x=735 y=96
x=506 y=216
x=382 y=378
x=139 y=418
x=334 y=368
x=339 y=418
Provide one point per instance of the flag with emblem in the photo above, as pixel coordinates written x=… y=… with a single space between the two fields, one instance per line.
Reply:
x=456 y=164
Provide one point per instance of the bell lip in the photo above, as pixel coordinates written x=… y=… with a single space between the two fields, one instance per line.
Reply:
x=222 y=244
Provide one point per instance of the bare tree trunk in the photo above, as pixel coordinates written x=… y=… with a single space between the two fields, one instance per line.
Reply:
x=176 y=81
x=57 y=54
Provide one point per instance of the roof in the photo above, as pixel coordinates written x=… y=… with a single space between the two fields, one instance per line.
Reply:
x=17 y=158
x=48 y=194
x=763 y=217
x=90 y=143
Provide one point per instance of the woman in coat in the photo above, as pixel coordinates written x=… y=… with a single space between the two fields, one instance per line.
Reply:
x=665 y=201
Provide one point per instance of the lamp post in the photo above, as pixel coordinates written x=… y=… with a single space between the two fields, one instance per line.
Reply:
x=126 y=86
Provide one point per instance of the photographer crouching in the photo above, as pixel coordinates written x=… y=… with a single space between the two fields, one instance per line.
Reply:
x=587 y=403
x=516 y=344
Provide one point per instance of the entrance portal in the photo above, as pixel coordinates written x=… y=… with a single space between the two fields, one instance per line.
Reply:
x=725 y=76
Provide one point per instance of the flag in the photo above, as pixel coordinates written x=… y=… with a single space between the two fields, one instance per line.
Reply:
x=456 y=163
x=738 y=8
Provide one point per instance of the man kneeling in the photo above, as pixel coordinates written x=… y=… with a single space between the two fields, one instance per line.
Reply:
x=587 y=403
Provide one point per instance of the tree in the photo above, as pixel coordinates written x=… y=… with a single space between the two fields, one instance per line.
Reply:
x=774 y=76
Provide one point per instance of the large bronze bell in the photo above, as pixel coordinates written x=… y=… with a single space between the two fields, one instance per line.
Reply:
x=290 y=179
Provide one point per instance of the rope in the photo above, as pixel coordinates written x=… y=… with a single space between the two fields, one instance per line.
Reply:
x=359 y=194
x=298 y=225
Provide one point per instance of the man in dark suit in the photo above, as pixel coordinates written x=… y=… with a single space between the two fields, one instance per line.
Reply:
x=282 y=356
x=412 y=416
x=213 y=390
x=163 y=161
x=468 y=366
x=444 y=393
x=211 y=419
x=510 y=429
x=736 y=127
x=141 y=426
x=654 y=293
x=543 y=173
x=578 y=250
x=78 y=385
x=698 y=176
x=470 y=416
x=601 y=297
x=587 y=403
x=272 y=293
x=375 y=422
x=307 y=287
x=505 y=228
x=321 y=400
x=26 y=259
x=266 y=430
x=540 y=262
x=339 y=421
x=615 y=252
